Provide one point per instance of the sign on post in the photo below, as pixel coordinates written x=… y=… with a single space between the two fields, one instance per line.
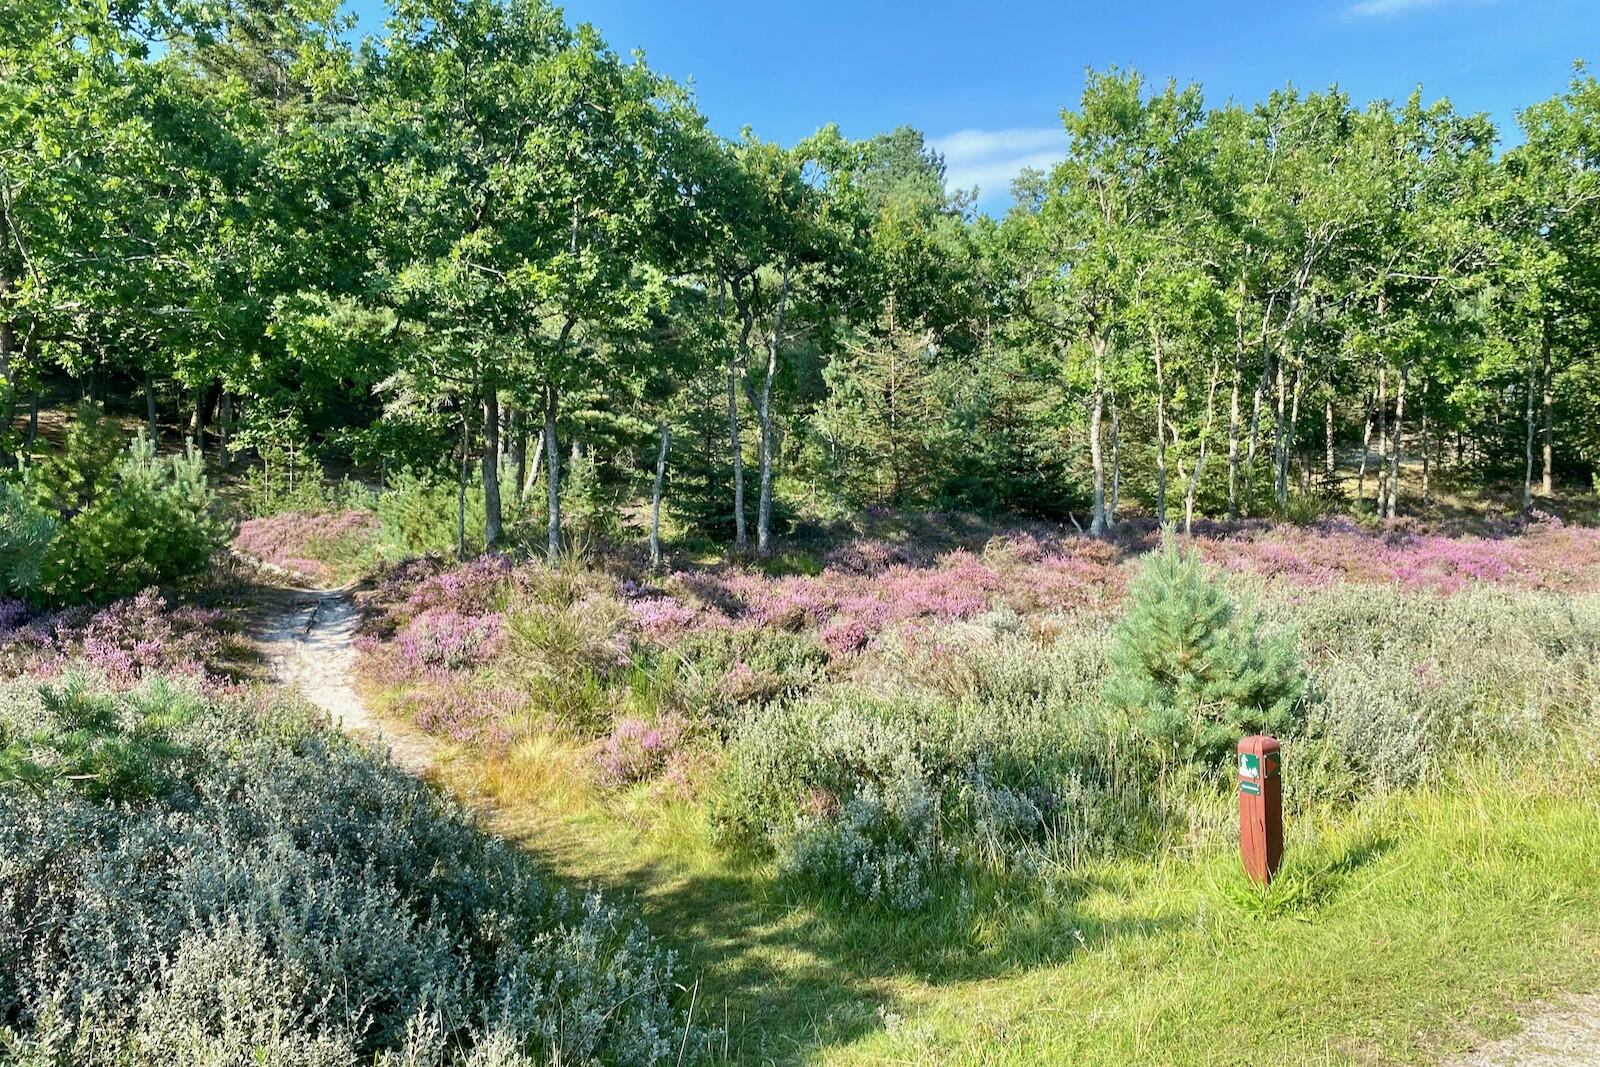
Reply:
x=1260 y=807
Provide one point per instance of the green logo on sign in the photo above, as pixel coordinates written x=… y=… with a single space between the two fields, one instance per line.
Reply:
x=1249 y=765
x=1252 y=788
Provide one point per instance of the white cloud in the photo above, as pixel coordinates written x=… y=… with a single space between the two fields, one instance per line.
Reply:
x=989 y=159
x=1376 y=8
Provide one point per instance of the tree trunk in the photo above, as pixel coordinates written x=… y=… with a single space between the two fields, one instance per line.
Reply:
x=1383 y=441
x=552 y=456
x=1200 y=460
x=461 y=488
x=764 y=512
x=492 y=517
x=224 y=457
x=1161 y=432
x=532 y=475
x=516 y=451
x=33 y=418
x=1425 y=495
x=1327 y=439
x=741 y=542
x=1292 y=438
x=1116 y=463
x=1233 y=443
x=1255 y=436
x=1527 y=472
x=1399 y=429
x=1548 y=485
x=150 y=406
x=1280 y=444
x=1097 y=522
x=1366 y=446
x=655 y=497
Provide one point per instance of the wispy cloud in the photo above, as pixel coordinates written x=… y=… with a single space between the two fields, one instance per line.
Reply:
x=1377 y=8
x=989 y=159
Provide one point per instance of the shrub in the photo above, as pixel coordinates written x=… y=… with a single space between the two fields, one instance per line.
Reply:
x=148 y=523
x=26 y=534
x=876 y=799
x=637 y=750
x=1192 y=672
x=265 y=891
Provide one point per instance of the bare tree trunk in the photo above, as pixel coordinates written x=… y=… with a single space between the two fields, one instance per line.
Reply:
x=1255 y=436
x=1233 y=443
x=1161 y=431
x=1399 y=430
x=33 y=418
x=1383 y=441
x=461 y=488
x=1280 y=428
x=1527 y=473
x=225 y=458
x=1327 y=439
x=741 y=542
x=517 y=450
x=552 y=456
x=1200 y=460
x=492 y=517
x=1097 y=523
x=1425 y=472
x=1366 y=447
x=1548 y=485
x=1116 y=463
x=764 y=507
x=655 y=497
x=532 y=475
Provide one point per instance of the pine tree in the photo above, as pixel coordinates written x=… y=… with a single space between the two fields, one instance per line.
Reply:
x=1193 y=672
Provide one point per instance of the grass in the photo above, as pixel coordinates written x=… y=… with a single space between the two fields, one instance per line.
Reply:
x=1399 y=930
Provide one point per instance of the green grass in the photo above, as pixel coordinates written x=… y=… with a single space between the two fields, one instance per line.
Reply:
x=1398 y=931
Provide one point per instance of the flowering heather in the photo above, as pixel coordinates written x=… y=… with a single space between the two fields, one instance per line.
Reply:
x=1548 y=555
x=661 y=616
x=124 y=640
x=477 y=587
x=637 y=750
x=441 y=639
x=323 y=548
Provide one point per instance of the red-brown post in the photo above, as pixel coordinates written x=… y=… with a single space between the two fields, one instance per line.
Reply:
x=1260 y=807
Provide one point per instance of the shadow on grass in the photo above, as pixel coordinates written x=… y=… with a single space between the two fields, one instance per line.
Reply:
x=787 y=975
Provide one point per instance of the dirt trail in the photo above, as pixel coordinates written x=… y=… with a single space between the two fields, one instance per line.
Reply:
x=1565 y=1035
x=308 y=638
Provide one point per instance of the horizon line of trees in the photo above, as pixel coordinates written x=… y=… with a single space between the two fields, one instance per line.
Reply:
x=487 y=245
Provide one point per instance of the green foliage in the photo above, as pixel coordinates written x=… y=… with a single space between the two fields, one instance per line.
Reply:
x=1191 y=671
x=149 y=524
x=419 y=513
x=187 y=878
x=26 y=533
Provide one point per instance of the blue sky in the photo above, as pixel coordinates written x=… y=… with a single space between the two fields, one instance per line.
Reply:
x=987 y=81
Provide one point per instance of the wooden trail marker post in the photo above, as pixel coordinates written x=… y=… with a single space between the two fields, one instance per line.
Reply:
x=1260 y=807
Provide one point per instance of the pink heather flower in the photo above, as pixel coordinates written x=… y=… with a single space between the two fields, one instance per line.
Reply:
x=296 y=541
x=636 y=750
x=660 y=616
x=440 y=639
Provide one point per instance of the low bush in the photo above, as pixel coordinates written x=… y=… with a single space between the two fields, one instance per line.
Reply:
x=878 y=798
x=190 y=880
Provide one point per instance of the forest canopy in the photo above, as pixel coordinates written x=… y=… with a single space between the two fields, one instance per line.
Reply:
x=485 y=247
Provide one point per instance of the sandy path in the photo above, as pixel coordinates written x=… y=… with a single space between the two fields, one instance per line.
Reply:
x=308 y=638
x=1566 y=1035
